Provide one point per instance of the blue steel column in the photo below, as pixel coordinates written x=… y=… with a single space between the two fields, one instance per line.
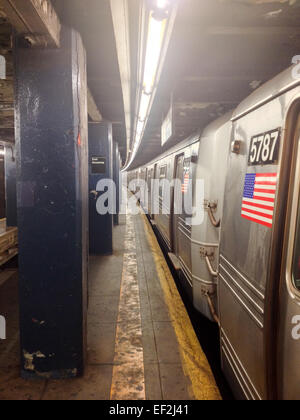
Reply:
x=51 y=141
x=101 y=226
x=10 y=186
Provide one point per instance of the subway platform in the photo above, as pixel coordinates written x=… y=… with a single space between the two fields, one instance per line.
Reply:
x=141 y=344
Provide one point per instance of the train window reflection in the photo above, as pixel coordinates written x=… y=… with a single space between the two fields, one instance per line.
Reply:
x=296 y=263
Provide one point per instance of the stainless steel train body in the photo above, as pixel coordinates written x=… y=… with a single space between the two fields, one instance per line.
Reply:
x=244 y=258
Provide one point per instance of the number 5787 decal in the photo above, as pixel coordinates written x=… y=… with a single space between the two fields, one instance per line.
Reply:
x=264 y=148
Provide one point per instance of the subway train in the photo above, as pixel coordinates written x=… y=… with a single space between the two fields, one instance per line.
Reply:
x=242 y=263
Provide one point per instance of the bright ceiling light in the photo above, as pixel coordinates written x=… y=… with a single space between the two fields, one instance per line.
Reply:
x=156 y=32
x=144 y=106
x=161 y=4
x=139 y=128
x=155 y=41
x=154 y=46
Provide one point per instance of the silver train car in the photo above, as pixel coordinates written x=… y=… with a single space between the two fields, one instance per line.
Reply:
x=242 y=264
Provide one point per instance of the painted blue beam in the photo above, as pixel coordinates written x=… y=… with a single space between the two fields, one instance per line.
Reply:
x=52 y=197
x=100 y=169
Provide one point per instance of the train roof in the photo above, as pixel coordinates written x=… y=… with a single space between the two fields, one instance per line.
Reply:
x=215 y=125
x=280 y=84
x=183 y=144
x=194 y=138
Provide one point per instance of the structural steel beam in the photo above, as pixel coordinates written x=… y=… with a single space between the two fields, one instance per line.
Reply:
x=6 y=88
x=53 y=219
x=38 y=22
x=93 y=110
x=35 y=19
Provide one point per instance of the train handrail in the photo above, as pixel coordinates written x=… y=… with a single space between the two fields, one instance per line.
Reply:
x=213 y=310
x=210 y=267
x=215 y=223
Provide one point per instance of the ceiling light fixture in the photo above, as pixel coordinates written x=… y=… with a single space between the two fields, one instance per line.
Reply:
x=153 y=51
x=157 y=25
x=161 y=4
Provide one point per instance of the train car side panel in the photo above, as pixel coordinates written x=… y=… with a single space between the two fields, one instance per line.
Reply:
x=211 y=168
x=246 y=242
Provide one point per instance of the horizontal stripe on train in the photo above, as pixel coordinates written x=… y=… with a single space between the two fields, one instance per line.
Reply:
x=261 y=222
x=264 y=194
x=267 y=176
x=259 y=203
x=261 y=218
x=259 y=210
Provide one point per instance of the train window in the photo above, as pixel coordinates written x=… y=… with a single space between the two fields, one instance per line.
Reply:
x=296 y=263
x=187 y=177
x=162 y=175
x=187 y=166
x=163 y=172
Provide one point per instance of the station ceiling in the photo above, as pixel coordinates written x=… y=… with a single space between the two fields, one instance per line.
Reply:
x=93 y=20
x=219 y=52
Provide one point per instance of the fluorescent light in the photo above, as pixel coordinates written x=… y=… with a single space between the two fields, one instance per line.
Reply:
x=155 y=40
x=161 y=4
x=140 y=128
x=154 y=45
x=144 y=106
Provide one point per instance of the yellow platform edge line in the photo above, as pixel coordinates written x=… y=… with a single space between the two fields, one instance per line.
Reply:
x=194 y=361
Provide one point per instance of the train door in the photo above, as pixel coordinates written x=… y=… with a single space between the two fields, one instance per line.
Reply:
x=153 y=193
x=149 y=185
x=143 y=189
x=182 y=229
x=288 y=341
x=177 y=207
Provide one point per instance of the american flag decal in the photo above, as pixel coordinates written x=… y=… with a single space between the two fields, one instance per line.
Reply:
x=259 y=198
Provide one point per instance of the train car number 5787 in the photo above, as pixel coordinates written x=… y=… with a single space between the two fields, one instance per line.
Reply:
x=264 y=148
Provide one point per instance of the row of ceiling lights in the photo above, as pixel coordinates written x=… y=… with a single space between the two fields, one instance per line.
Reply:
x=157 y=25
